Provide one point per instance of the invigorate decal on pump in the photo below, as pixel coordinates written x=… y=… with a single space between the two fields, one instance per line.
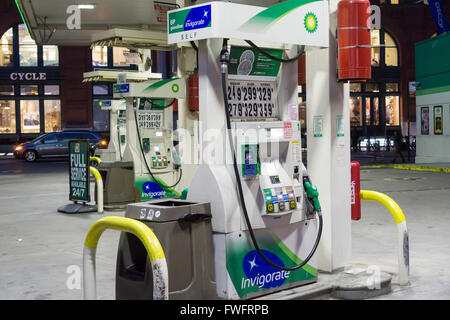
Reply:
x=251 y=274
x=149 y=190
x=190 y=19
x=260 y=273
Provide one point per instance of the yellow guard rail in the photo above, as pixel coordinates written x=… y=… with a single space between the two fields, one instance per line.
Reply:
x=148 y=239
x=402 y=234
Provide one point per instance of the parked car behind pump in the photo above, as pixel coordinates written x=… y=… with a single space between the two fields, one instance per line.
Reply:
x=56 y=144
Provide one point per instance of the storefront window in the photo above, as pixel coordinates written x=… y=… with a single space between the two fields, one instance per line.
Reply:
x=52 y=115
x=355 y=111
x=355 y=87
x=367 y=119
x=119 y=57
x=376 y=112
x=50 y=56
x=392 y=110
x=386 y=48
x=6 y=90
x=372 y=87
x=392 y=87
x=391 y=54
x=27 y=48
x=99 y=56
x=375 y=44
x=51 y=90
x=29 y=113
x=7 y=116
x=372 y=111
x=29 y=90
x=6 y=49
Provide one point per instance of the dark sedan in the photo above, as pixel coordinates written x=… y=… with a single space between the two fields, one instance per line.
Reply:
x=55 y=144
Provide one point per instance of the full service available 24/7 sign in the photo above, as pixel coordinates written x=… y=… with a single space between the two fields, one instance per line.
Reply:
x=79 y=170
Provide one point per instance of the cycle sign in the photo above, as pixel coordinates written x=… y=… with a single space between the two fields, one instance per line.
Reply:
x=79 y=170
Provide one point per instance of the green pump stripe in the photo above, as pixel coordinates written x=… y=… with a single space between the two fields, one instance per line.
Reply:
x=274 y=13
x=166 y=187
x=161 y=83
x=308 y=268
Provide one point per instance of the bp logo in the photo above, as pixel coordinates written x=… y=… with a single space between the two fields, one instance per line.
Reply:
x=261 y=274
x=175 y=88
x=311 y=22
x=77 y=147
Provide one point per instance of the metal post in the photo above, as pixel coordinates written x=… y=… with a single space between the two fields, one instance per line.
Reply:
x=148 y=239
x=402 y=231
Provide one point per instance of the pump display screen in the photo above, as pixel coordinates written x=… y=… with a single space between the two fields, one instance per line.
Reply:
x=252 y=99
x=150 y=120
x=274 y=179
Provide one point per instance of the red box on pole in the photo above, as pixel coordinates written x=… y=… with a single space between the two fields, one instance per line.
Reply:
x=355 y=190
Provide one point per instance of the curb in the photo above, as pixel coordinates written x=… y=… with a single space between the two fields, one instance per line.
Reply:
x=408 y=167
x=8 y=155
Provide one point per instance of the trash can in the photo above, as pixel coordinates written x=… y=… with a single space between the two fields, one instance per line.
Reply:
x=185 y=233
x=118 y=183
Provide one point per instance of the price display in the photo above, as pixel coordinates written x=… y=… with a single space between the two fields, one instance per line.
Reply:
x=252 y=100
x=150 y=120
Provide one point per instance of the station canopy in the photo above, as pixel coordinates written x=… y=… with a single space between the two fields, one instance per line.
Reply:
x=52 y=22
x=55 y=22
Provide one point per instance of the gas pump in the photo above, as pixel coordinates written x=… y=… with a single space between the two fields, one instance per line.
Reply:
x=149 y=135
x=262 y=201
x=117 y=130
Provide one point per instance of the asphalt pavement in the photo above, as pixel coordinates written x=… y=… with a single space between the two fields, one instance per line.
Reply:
x=41 y=251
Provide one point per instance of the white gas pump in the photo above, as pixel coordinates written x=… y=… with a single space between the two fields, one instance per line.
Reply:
x=117 y=130
x=149 y=132
x=251 y=172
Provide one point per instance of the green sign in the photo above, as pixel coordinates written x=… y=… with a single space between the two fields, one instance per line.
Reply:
x=245 y=61
x=318 y=126
x=340 y=130
x=79 y=170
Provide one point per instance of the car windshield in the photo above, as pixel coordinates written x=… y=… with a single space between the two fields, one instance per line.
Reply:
x=38 y=137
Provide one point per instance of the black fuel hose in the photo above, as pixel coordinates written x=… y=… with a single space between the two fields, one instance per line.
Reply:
x=155 y=105
x=268 y=55
x=224 y=59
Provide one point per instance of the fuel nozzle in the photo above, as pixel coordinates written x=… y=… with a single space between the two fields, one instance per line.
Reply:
x=312 y=193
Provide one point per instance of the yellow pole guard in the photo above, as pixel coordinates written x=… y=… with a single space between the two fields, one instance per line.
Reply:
x=96 y=173
x=95 y=159
x=140 y=230
x=392 y=206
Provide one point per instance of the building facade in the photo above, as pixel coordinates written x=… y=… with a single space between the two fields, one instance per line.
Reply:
x=387 y=102
x=433 y=99
x=42 y=89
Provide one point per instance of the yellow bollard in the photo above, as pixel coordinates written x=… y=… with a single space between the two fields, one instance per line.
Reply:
x=99 y=180
x=402 y=231
x=148 y=239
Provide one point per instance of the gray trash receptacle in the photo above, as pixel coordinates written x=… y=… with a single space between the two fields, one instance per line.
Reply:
x=184 y=230
x=118 y=183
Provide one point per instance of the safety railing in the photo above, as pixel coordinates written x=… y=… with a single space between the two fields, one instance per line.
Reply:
x=99 y=181
x=148 y=239
x=97 y=159
x=402 y=231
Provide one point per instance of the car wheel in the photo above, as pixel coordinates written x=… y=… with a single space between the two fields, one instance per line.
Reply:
x=30 y=156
